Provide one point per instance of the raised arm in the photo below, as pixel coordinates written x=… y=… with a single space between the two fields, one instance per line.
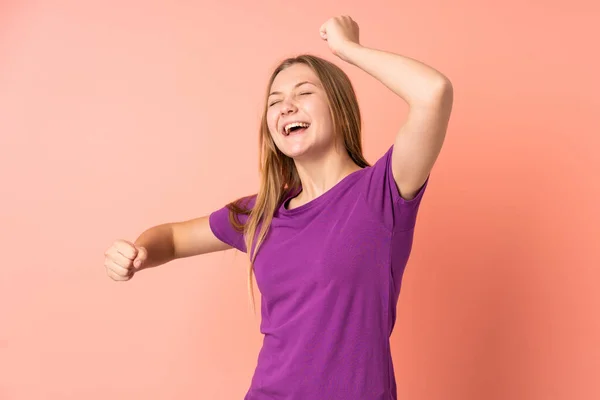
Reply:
x=428 y=93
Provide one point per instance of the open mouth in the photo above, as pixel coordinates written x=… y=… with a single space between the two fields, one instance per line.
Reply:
x=295 y=128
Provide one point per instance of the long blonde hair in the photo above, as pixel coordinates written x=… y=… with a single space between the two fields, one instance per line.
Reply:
x=278 y=174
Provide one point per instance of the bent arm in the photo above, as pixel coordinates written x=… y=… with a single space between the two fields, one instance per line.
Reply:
x=430 y=96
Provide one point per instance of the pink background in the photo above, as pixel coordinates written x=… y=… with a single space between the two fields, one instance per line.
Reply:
x=116 y=116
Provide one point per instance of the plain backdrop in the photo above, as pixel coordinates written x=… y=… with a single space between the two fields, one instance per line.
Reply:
x=119 y=115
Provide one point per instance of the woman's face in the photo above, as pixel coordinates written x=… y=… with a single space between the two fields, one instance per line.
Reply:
x=298 y=113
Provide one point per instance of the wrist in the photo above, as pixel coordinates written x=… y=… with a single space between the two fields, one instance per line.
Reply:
x=348 y=51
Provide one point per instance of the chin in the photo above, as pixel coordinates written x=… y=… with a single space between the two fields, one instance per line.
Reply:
x=295 y=151
x=305 y=153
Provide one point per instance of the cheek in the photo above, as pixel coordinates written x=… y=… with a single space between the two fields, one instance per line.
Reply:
x=319 y=109
x=272 y=121
x=321 y=114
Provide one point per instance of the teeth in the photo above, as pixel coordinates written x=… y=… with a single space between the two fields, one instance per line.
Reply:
x=294 y=124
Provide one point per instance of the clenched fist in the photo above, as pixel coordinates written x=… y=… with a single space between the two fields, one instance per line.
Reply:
x=340 y=32
x=123 y=259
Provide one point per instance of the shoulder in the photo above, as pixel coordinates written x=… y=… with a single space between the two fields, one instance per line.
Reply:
x=397 y=210
x=243 y=204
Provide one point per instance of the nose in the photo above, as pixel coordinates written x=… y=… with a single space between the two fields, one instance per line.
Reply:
x=287 y=107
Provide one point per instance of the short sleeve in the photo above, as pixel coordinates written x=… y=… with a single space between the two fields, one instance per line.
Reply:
x=224 y=230
x=384 y=199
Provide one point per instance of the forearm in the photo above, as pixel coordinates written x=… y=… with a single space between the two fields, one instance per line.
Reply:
x=158 y=242
x=415 y=82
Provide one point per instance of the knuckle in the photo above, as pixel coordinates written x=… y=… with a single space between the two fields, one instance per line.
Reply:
x=125 y=248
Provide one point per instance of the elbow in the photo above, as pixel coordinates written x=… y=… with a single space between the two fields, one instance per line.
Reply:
x=442 y=94
x=443 y=88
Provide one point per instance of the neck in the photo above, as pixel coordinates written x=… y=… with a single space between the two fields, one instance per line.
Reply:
x=321 y=172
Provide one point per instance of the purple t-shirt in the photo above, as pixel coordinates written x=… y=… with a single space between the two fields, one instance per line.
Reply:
x=329 y=273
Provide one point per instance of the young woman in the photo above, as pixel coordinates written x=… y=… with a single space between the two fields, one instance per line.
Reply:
x=329 y=234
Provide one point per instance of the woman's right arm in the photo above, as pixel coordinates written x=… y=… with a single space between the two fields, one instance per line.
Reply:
x=160 y=245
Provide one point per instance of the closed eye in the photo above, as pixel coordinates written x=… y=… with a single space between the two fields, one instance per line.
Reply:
x=277 y=101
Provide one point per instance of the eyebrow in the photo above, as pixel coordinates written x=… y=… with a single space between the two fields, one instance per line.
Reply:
x=295 y=86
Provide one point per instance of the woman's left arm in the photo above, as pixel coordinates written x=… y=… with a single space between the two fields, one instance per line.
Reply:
x=429 y=95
